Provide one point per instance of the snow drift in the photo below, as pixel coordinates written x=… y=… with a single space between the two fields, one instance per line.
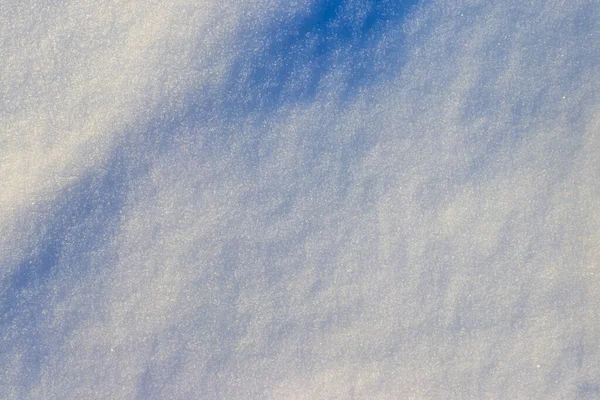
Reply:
x=309 y=199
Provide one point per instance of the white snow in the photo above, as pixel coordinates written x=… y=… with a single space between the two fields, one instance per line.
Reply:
x=257 y=199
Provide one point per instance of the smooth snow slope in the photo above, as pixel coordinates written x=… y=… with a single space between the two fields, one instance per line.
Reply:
x=311 y=199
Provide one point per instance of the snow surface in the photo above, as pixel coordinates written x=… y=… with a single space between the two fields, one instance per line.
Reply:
x=305 y=199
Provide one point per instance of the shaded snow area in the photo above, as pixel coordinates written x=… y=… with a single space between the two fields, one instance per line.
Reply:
x=309 y=199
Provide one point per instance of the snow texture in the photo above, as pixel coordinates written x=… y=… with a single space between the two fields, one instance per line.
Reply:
x=311 y=199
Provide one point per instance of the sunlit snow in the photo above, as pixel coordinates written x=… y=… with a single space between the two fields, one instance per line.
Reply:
x=309 y=199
